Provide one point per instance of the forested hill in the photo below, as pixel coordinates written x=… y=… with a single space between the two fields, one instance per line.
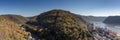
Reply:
x=93 y=18
x=112 y=20
x=15 y=18
x=59 y=25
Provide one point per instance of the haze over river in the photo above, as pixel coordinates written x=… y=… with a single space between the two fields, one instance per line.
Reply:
x=113 y=27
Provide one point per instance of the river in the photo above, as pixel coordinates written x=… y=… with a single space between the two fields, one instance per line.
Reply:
x=113 y=27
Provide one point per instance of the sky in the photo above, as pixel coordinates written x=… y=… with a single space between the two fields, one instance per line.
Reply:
x=82 y=7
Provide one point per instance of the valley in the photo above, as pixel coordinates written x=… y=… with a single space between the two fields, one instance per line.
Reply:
x=56 y=25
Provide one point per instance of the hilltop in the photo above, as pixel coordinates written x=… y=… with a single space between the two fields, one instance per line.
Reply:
x=59 y=25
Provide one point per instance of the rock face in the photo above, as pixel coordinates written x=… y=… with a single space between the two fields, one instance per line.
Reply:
x=60 y=25
x=112 y=20
x=10 y=30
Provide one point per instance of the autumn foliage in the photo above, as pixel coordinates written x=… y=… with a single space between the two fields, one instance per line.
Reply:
x=59 y=25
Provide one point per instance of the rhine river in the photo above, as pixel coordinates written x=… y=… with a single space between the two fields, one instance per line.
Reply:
x=113 y=27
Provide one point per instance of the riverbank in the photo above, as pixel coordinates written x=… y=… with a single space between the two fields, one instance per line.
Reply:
x=103 y=33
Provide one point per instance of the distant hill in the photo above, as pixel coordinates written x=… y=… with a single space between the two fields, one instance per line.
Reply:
x=93 y=18
x=59 y=25
x=112 y=20
x=15 y=18
x=10 y=30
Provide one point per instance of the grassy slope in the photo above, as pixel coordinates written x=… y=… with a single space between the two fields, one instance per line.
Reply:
x=11 y=31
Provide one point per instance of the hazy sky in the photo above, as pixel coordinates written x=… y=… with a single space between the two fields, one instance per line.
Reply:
x=82 y=7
